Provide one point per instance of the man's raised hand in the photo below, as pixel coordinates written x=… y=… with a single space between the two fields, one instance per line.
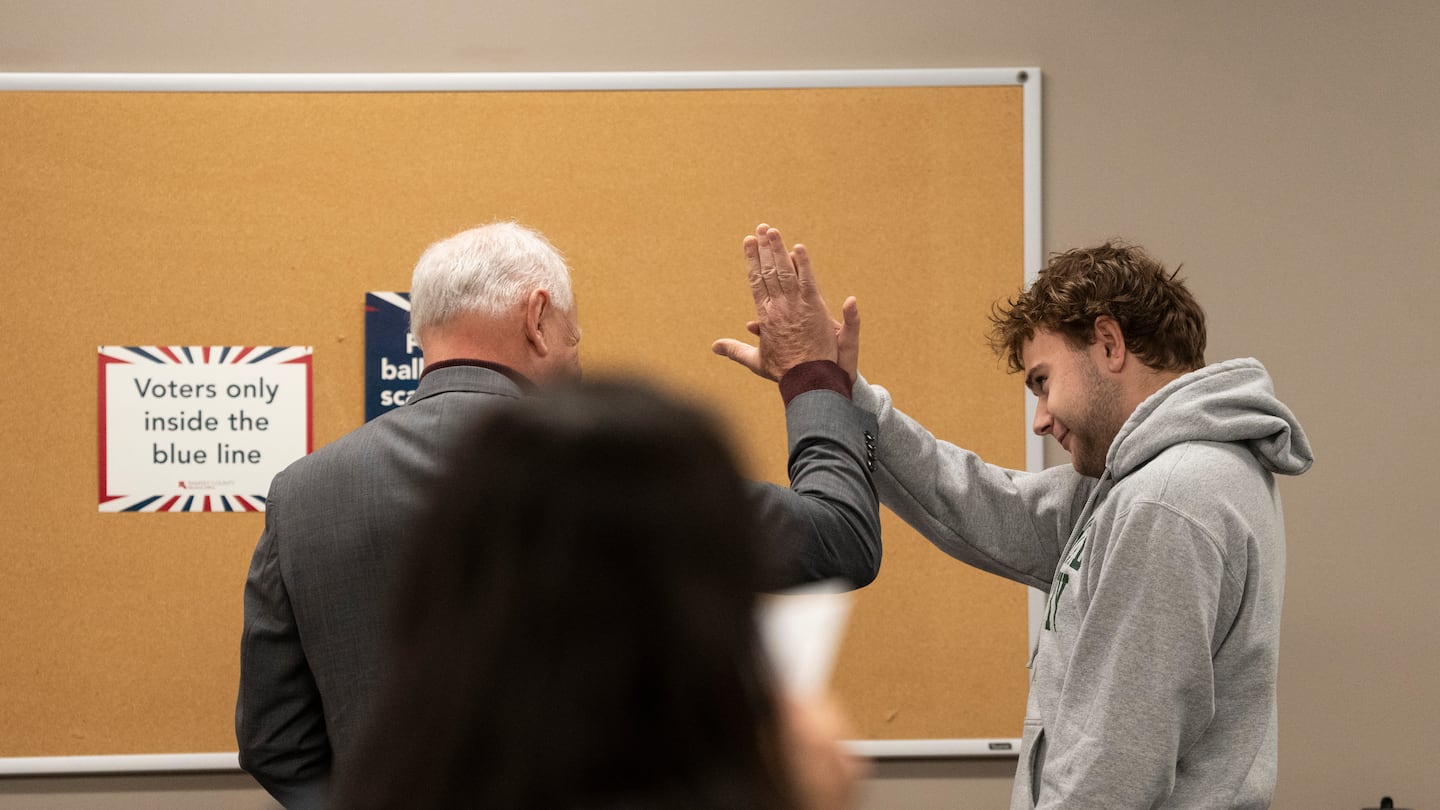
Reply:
x=791 y=318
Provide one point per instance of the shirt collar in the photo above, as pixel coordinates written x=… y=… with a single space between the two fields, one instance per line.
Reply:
x=514 y=376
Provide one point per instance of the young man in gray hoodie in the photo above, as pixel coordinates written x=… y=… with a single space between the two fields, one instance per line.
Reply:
x=1162 y=548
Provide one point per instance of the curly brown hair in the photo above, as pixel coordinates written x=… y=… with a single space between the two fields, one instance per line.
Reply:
x=1162 y=323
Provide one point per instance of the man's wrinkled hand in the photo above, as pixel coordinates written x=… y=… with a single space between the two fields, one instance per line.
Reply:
x=791 y=318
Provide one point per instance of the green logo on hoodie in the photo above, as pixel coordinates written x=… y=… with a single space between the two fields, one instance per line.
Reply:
x=1063 y=578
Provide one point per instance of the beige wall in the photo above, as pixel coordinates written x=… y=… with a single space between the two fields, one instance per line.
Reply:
x=1285 y=152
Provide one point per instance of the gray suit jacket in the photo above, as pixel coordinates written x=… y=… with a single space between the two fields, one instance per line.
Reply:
x=338 y=524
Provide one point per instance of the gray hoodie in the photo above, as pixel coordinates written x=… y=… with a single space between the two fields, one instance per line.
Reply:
x=1153 y=680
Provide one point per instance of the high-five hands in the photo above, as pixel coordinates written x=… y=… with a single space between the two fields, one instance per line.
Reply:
x=791 y=319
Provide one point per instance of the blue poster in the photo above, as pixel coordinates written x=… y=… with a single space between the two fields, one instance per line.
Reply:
x=392 y=357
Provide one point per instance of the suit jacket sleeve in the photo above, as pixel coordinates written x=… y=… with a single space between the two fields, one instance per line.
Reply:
x=279 y=720
x=827 y=524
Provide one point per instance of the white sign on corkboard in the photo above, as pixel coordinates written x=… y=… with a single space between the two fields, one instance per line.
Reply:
x=199 y=428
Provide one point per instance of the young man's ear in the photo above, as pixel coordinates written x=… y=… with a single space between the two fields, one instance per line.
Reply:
x=537 y=306
x=1110 y=342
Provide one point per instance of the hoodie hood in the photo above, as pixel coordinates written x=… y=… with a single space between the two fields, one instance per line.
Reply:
x=1233 y=401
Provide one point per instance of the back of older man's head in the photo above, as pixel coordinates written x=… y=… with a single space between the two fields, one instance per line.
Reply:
x=486 y=271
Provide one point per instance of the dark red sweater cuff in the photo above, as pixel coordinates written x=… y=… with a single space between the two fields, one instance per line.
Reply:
x=815 y=375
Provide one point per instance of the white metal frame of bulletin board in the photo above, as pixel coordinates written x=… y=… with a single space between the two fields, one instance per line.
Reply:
x=1028 y=78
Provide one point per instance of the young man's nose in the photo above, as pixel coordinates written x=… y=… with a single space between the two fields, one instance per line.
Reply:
x=1043 y=422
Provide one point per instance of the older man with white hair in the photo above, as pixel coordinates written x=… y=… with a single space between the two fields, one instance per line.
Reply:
x=494 y=314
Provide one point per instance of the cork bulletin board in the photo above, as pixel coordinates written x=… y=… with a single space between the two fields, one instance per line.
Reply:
x=255 y=213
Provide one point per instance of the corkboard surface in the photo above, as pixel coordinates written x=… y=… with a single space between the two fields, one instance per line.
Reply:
x=242 y=219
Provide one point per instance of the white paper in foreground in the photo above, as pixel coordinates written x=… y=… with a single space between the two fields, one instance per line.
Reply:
x=801 y=630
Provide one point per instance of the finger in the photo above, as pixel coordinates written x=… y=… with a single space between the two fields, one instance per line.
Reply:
x=734 y=349
x=753 y=328
x=784 y=267
x=742 y=353
x=751 y=246
x=848 y=338
x=850 y=311
x=804 y=274
x=770 y=283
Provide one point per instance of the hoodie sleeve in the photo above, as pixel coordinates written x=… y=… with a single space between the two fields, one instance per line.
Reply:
x=1141 y=684
x=1006 y=522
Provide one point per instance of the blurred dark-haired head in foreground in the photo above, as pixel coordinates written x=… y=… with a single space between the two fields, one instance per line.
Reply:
x=578 y=628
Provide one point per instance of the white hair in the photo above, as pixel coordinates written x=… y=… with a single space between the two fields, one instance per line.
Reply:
x=488 y=271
